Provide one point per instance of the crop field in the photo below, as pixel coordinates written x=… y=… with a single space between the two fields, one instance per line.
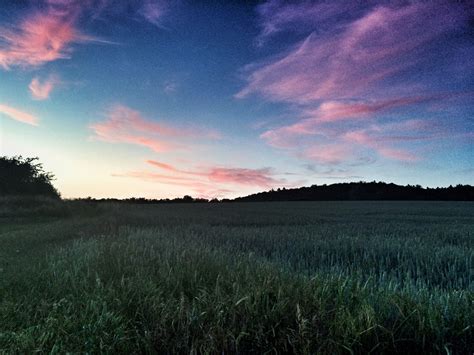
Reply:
x=295 y=277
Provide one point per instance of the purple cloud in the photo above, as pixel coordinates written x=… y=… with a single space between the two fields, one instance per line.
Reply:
x=352 y=71
x=299 y=16
x=354 y=61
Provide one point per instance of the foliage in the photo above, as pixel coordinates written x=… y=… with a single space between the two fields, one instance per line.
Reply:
x=352 y=191
x=25 y=177
x=299 y=277
x=374 y=191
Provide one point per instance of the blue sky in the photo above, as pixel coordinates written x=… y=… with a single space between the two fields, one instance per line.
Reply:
x=161 y=99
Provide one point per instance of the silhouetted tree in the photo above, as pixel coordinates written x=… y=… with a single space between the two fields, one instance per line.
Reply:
x=25 y=177
x=364 y=191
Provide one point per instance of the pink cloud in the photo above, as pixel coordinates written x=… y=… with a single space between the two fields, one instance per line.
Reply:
x=286 y=136
x=397 y=154
x=328 y=154
x=40 y=38
x=330 y=111
x=316 y=141
x=331 y=120
x=163 y=165
x=125 y=125
x=41 y=90
x=254 y=177
x=49 y=32
x=353 y=61
x=18 y=115
x=210 y=181
x=198 y=188
x=370 y=140
x=348 y=77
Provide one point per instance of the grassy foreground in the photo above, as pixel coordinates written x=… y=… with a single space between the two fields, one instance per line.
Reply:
x=322 y=277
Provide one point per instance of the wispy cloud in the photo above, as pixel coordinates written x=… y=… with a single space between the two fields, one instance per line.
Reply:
x=298 y=16
x=389 y=140
x=170 y=87
x=326 y=119
x=330 y=144
x=41 y=37
x=353 y=61
x=153 y=11
x=125 y=125
x=19 y=115
x=327 y=153
x=210 y=181
x=41 y=90
x=353 y=71
x=373 y=142
x=48 y=31
x=330 y=111
x=241 y=176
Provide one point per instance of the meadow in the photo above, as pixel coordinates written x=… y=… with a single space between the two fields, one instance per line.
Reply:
x=279 y=277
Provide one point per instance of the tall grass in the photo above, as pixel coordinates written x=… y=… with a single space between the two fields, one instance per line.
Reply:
x=239 y=278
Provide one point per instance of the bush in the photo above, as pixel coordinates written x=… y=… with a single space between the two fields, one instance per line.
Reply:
x=25 y=177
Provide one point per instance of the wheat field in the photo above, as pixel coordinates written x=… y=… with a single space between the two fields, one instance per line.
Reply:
x=295 y=277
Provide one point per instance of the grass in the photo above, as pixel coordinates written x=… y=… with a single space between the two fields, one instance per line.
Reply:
x=322 y=277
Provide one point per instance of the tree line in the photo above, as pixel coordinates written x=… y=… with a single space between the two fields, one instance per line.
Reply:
x=26 y=177
x=364 y=191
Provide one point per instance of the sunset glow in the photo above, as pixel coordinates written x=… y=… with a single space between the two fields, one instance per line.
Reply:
x=161 y=99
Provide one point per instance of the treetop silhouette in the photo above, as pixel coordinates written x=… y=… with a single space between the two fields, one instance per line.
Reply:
x=25 y=177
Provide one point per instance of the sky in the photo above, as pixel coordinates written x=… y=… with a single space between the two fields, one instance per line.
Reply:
x=159 y=99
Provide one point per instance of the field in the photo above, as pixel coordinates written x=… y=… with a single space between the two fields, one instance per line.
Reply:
x=322 y=277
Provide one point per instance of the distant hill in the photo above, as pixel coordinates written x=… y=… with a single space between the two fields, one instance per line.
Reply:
x=364 y=191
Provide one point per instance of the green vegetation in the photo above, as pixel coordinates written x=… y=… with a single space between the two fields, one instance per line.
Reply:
x=25 y=177
x=304 y=277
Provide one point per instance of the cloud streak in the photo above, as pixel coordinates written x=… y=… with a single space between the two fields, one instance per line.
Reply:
x=125 y=125
x=278 y=16
x=241 y=176
x=350 y=75
x=19 y=115
x=354 y=61
x=345 y=144
x=364 y=138
x=210 y=181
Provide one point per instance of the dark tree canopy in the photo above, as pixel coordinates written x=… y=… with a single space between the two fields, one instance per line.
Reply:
x=364 y=191
x=25 y=177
